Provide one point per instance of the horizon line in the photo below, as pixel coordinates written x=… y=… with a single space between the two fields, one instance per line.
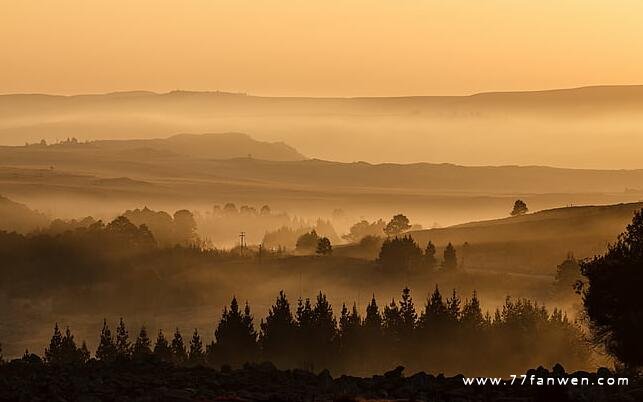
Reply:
x=243 y=93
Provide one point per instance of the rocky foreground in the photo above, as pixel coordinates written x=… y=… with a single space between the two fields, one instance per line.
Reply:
x=154 y=381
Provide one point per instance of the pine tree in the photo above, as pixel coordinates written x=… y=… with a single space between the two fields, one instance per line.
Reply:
x=304 y=333
x=429 y=256
x=407 y=313
x=325 y=331
x=453 y=307
x=162 y=348
x=53 y=354
x=373 y=320
x=123 y=346
x=278 y=332
x=472 y=317
x=142 y=346
x=392 y=321
x=106 y=350
x=196 y=354
x=435 y=314
x=450 y=261
x=69 y=352
x=236 y=338
x=178 y=348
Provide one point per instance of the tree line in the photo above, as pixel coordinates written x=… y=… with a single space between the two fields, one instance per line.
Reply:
x=447 y=335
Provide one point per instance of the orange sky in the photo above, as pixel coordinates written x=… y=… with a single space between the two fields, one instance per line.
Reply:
x=318 y=48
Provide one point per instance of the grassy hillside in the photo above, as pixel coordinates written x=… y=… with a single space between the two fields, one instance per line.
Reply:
x=534 y=242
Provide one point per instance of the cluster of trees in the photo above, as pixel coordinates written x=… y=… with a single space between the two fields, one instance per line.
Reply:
x=231 y=209
x=169 y=230
x=303 y=238
x=395 y=227
x=311 y=241
x=403 y=254
x=310 y=336
x=43 y=263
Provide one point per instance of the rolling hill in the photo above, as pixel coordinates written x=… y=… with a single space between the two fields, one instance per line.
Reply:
x=592 y=127
x=535 y=242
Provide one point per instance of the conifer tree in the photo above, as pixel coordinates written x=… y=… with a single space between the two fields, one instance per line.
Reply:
x=106 y=350
x=142 y=346
x=69 y=352
x=196 y=354
x=325 y=331
x=472 y=318
x=177 y=347
x=450 y=261
x=429 y=256
x=408 y=315
x=453 y=307
x=435 y=314
x=392 y=321
x=123 y=345
x=373 y=320
x=236 y=338
x=53 y=354
x=162 y=348
x=278 y=332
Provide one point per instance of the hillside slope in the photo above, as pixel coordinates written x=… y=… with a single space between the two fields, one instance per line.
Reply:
x=534 y=242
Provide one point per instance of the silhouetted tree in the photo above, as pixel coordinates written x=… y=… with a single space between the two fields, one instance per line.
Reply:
x=123 y=345
x=106 y=350
x=429 y=256
x=162 y=348
x=450 y=260
x=453 y=307
x=305 y=331
x=408 y=316
x=392 y=321
x=308 y=241
x=142 y=346
x=472 y=314
x=177 y=347
x=373 y=319
x=324 y=331
x=185 y=227
x=363 y=229
x=265 y=210
x=520 y=208
x=196 y=354
x=236 y=338
x=436 y=314
x=397 y=225
x=278 y=332
x=612 y=295
x=568 y=273
x=53 y=354
x=400 y=254
x=324 y=247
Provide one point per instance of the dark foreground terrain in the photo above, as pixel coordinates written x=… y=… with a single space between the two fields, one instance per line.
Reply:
x=153 y=381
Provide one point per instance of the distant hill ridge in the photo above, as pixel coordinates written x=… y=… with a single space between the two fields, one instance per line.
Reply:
x=208 y=146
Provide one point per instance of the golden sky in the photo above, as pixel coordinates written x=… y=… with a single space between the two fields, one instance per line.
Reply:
x=318 y=48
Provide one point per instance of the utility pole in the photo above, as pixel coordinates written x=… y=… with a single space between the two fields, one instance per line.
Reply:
x=242 y=241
